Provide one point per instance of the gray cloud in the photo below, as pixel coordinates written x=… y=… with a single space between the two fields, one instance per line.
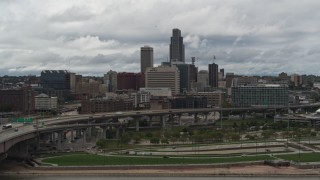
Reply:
x=247 y=37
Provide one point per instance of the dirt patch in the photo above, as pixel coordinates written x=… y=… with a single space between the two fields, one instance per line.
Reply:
x=252 y=170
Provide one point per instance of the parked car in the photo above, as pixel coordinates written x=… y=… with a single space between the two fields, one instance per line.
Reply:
x=7 y=126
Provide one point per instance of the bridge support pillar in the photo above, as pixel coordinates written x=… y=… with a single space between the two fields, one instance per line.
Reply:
x=243 y=116
x=195 y=118
x=206 y=117
x=150 y=121
x=118 y=133
x=89 y=132
x=221 y=116
x=179 y=119
x=104 y=132
x=59 y=146
x=163 y=121
x=123 y=130
x=52 y=137
x=84 y=136
x=137 y=124
x=171 y=119
x=72 y=137
x=264 y=115
x=78 y=133
x=64 y=135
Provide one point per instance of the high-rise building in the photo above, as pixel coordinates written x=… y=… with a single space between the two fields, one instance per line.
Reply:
x=110 y=79
x=203 y=80
x=188 y=76
x=188 y=102
x=141 y=99
x=106 y=105
x=73 y=82
x=222 y=73
x=59 y=83
x=126 y=80
x=56 y=79
x=140 y=81
x=176 y=46
x=229 y=79
x=260 y=95
x=214 y=99
x=130 y=81
x=20 y=100
x=296 y=79
x=45 y=102
x=146 y=58
x=163 y=77
x=213 y=75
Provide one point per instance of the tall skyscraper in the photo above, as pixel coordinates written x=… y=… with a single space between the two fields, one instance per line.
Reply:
x=213 y=75
x=176 y=46
x=146 y=58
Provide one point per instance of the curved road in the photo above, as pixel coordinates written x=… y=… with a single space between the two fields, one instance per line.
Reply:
x=29 y=131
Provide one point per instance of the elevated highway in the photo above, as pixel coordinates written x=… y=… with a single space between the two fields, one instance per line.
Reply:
x=10 y=137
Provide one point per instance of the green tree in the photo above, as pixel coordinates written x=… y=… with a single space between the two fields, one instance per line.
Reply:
x=235 y=126
x=234 y=136
x=164 y=141
x=267 y=134
x=154 y=140
x=149 y=135
x=243 y=127
x=101 y=143
x=125 y=139
x=226 y=104
x=250 y=137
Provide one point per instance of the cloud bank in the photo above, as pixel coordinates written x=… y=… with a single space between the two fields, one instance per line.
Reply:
x=248 y=37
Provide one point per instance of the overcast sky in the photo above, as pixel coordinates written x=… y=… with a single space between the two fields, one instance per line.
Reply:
x=260 y=37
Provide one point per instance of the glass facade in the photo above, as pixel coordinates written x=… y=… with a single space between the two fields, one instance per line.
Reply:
x=247 y=96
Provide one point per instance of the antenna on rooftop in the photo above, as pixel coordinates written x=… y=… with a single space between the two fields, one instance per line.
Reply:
x=193 y=60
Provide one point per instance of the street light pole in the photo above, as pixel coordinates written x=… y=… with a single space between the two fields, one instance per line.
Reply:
x=221 y=119
x=299 y=148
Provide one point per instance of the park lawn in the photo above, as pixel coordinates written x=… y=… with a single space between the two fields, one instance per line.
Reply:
x=230 y=122
x=47 y=155
x=304 y=157
x=96 y=160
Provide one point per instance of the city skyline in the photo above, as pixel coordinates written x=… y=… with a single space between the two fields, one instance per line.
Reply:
x=90 y=38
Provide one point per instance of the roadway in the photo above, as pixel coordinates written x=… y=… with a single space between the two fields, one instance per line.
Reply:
x=73 y=120
x=110 y=115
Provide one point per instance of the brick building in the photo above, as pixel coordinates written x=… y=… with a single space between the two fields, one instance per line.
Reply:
x=106 y=105
x=20 y=100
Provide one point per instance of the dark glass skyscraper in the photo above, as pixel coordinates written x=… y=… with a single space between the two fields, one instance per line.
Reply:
x=56 y=79
x=176 y=46
x=213 y=75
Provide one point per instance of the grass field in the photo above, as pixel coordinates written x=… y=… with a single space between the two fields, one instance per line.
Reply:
x=95 y=160
x=303 y=157
x=47 y=155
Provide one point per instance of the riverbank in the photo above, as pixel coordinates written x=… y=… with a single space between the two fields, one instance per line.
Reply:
x=196 y=170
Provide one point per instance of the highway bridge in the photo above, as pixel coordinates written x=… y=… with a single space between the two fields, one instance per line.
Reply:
x=10 y=137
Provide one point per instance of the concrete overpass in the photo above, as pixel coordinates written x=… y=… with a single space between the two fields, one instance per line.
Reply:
x=10 y=137
x=150 y=113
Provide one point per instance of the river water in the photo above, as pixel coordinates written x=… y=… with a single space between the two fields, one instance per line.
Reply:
x=149 y=178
